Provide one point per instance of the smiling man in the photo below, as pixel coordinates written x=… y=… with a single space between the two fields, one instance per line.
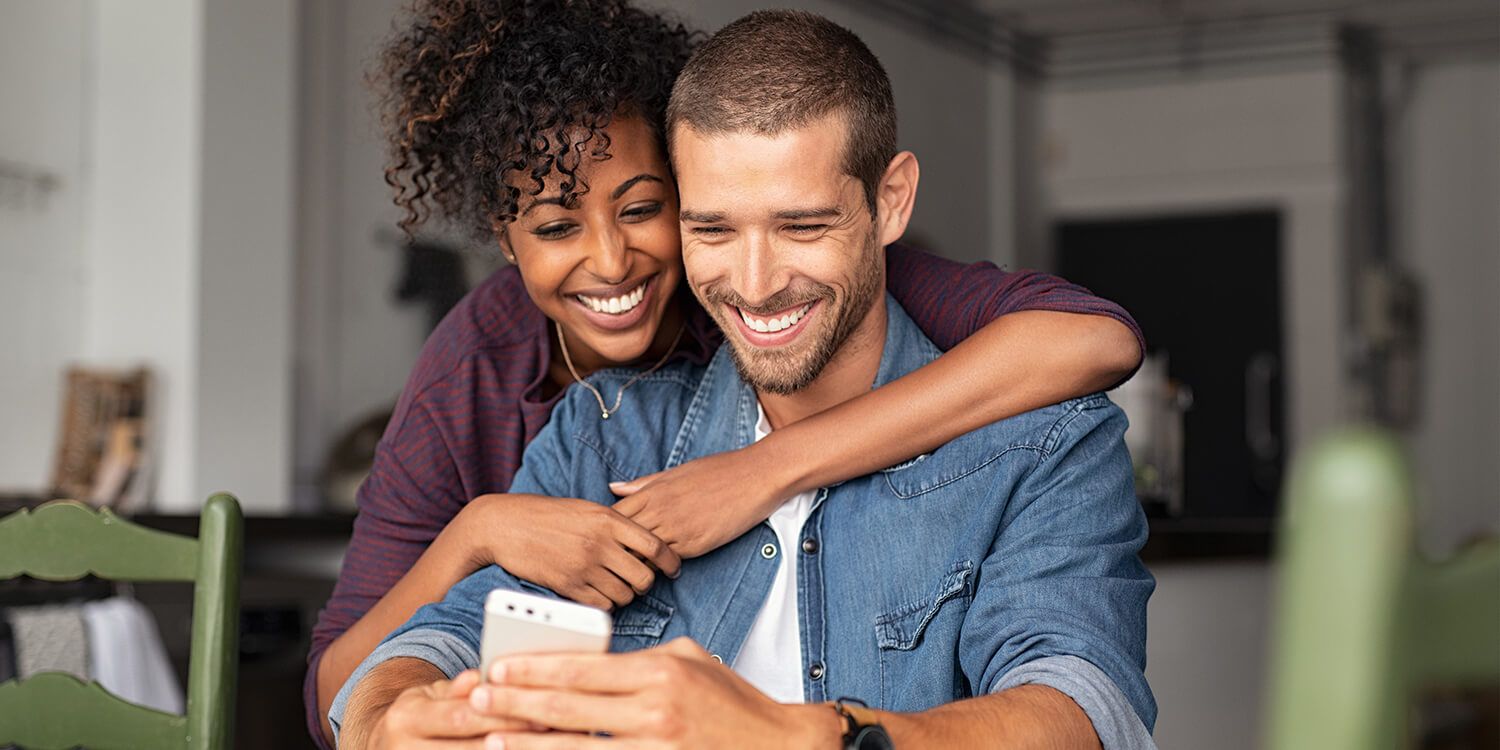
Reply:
x=985 y=594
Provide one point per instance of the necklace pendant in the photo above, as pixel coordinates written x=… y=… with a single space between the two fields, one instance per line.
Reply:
x=604 y=414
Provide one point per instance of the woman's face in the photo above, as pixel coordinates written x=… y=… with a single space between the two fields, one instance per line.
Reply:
x=606 y=267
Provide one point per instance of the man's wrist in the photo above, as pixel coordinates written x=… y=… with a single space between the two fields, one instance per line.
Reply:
x=816 y=726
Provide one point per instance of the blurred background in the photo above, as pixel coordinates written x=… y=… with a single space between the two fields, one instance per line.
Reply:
x=201 y=287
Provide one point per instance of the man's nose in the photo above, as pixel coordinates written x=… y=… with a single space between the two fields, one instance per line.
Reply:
x=609 y=258
x=758 y=270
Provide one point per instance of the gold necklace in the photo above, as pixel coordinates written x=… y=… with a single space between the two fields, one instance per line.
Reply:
x=605 y=412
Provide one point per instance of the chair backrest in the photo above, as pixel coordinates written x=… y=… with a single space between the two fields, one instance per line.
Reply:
x=66 y=540
x=1362 y=621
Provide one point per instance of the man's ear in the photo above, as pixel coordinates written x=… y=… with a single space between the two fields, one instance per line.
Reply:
x=896 y=197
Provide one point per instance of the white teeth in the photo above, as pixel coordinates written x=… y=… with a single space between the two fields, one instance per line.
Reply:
x=772 y=325
x=615 y=305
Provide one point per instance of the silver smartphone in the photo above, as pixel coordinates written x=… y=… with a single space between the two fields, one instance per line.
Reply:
x=520 y=623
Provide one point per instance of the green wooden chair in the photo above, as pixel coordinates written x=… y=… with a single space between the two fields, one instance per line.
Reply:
x=1362 y=621
x=65 y=540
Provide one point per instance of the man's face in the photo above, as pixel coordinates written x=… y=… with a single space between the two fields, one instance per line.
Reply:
x=779 y=246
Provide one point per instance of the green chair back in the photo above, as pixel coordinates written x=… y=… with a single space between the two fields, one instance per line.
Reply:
x=66 y=540
x=1362 y=621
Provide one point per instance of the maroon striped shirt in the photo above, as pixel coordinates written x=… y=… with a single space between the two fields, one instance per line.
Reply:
x=474 y=400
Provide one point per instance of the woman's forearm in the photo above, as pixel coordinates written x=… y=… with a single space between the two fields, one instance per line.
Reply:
x=445 y=562
x=1019 y=362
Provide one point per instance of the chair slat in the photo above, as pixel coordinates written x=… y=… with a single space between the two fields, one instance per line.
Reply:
x=67 y=540
x=56 y=711
x=1453 y=628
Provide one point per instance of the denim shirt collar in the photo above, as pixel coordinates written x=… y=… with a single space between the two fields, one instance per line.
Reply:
x=723 y=411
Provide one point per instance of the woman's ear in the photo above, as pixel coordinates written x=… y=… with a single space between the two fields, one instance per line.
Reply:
x=503 y=241
x=896 y=197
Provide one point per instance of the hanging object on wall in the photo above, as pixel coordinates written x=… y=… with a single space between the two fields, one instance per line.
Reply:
x=102 y=452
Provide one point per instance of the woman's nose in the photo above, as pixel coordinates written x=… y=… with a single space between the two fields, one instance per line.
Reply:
x=610 y=259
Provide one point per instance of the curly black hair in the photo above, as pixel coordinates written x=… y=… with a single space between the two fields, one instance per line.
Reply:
x=472 y=91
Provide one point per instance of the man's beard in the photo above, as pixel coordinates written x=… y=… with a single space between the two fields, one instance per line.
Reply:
x=784 y=372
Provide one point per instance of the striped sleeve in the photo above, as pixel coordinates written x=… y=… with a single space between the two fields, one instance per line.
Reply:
x=398 y=518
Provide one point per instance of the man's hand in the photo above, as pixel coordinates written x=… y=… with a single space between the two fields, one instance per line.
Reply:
x=672 y=696
x=701 y=505
x=584 y=551
x=435 y=714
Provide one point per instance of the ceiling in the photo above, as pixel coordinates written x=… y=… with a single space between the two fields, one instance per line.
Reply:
x=1077 y=38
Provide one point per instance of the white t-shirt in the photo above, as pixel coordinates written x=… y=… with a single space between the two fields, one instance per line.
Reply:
x=771 y=658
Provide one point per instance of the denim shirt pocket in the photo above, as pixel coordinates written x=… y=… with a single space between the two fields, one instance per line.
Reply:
x=911 y=678
x=640 y=624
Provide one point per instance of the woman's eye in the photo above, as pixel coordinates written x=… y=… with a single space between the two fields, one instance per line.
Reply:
x=641 y=212
x=553 y=231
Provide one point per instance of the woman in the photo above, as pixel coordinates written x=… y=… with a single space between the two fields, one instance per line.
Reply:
x=539 y=125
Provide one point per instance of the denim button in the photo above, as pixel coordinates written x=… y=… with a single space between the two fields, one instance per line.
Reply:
x=718 y=659
x=768 y=551
x=810 y=546
x=815 y=671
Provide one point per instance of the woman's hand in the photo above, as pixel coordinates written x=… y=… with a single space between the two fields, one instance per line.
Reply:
x=701 y=505
x=583 y=551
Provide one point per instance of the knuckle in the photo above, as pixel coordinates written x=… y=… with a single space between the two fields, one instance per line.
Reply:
x=550 y=705
x=455 y=719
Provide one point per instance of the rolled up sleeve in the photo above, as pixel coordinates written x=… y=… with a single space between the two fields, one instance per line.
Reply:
x=1114 y=719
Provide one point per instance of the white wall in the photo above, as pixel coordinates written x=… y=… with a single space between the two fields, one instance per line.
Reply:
x=142 y=227
x=43 y=281
x=245 y=292
x=1449 y=234
x=170 y=126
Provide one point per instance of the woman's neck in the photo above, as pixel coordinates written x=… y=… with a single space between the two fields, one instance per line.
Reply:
x=586 y=361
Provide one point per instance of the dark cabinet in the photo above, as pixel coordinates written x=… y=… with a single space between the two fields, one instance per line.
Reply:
x=1206 y=290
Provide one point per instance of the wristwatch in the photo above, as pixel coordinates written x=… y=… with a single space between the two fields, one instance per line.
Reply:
x=862 y=730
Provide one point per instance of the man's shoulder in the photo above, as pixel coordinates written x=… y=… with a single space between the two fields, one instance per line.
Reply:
x=1031 y=438
x=1050 y=428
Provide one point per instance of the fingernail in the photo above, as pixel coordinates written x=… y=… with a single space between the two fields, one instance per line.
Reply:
x=494 y=742
x=480 y=699
x=497 y=673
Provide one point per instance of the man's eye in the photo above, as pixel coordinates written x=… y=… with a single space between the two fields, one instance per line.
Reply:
x=553 y=231
x=642 y=212
x=806 y=228
x=710 y=231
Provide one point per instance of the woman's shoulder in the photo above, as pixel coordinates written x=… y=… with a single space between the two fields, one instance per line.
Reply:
x=490 y=333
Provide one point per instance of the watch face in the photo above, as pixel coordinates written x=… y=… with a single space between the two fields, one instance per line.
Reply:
x=873 y=738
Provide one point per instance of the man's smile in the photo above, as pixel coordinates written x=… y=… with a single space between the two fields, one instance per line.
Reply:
x=774 y=329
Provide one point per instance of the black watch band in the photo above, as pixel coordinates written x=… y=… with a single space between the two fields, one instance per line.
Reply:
x=862 y=730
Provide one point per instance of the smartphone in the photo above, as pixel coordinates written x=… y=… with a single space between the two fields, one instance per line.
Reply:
x=520 y=623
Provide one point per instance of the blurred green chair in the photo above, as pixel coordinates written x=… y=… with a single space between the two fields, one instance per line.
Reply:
x=64 y=541
x=1362 y=622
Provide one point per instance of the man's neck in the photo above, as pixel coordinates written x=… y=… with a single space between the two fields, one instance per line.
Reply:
x=850 y=373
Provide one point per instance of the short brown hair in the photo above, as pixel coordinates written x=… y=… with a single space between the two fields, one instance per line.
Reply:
x=775 y=70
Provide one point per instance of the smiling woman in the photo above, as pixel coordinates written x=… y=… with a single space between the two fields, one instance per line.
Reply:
x=539 y=125
x=605 y=263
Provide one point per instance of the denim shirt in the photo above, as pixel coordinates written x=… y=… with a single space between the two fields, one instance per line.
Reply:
x=934 y=580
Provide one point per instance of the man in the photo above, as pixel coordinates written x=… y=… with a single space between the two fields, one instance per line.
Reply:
x=988 y=593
